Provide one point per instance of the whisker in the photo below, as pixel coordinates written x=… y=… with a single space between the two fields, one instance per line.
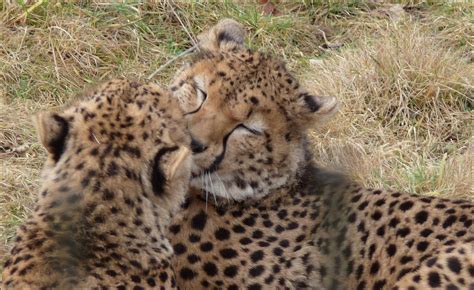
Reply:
x=227 y=194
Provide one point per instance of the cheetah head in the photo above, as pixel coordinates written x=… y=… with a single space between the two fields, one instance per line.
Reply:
x=119 y=132
x=247 y=116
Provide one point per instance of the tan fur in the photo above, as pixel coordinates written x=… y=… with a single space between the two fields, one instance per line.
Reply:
x=251 y=89
x=294 y=225
x=100 y=219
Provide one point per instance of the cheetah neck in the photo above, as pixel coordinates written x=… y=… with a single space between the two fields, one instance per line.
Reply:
x=95 y=213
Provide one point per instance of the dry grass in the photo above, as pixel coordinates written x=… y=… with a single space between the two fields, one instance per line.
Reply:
x=404 y=77
x=406 y=118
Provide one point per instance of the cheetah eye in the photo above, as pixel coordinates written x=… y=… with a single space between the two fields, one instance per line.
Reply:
x=249 y=129
x=202 y=96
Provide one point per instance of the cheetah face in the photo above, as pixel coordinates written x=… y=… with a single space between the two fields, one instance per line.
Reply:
x=247 y=116
x=120 y=130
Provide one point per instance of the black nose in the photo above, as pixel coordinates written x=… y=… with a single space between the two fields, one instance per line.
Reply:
x=197 y=147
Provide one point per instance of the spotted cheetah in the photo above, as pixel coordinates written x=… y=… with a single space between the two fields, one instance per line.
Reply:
x=117 y=170
x=261 y=215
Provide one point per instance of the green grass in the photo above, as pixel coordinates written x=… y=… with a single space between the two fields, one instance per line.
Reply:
x=404 y=77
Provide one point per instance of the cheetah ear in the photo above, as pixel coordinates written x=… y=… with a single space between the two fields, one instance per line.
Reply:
x=166 y=166
x=226 y=31
x=52 y=132
x=316 y=108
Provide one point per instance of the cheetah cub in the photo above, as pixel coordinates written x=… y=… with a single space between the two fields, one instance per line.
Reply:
x=117 y=170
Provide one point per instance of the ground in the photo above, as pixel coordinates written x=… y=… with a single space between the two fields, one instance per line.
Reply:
x=402 y=70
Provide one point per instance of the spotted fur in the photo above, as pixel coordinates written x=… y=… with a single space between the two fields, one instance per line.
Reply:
x=117 y=170
x=294 y=226
x=247 y=116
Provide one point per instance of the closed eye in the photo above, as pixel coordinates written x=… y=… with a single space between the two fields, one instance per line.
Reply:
x=202 y=96
x=251 y=130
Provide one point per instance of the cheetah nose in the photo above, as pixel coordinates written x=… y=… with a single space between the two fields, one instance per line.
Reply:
x=196 y=146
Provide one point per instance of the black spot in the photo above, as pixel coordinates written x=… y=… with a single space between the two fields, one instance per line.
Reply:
x=279 y=229
x=434 y=280
x=228 y=253
x=376 y=215
x=198 y=222
x=451 y=287
x=403 y=232
x=421 y=217
x=256 y=271
x=372 y=249
x=222 y=234
x=405 y=259
x=150 y=281
x=403 y=272
x=175 y=229
x=179 y=249
x=230 y=271
x=380 y=202
x=254 y=100
x=255 y=286
x=193 y=238
x=454 y=265
x=278 y=251
x=210 y=269
x=449 y=221
x=374 y=268
x=112 y=169
x=282 y=214
x=292 y=226
x=471 y=270
x=108 y=195
x=379 y=284
x=249 y=221
x=352 y=218
x=158 y=179
x=206 y=247
x=256 y=256
x=363 y=205
x=394 y=222
x=238 y=229
x=430 y=263
x=74 y=198
x=245 y=241
x=391 y=250
x=426 y=232
x=406 y=205
x=187 y=274
x=94 y=151
x=193 y=258
x=258 y=234
x=422 y=246
x=381 y=231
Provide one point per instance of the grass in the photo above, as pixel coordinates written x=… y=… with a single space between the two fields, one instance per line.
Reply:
x=402 y=72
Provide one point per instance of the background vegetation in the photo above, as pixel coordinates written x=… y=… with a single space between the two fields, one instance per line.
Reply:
x=403 y=72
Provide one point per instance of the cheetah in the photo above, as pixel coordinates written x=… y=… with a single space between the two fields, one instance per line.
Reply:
x=117 y=170
x=262 y=215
